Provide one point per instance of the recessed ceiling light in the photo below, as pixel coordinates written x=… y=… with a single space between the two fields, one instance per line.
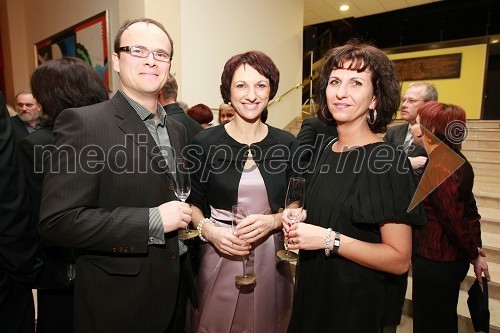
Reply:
x=344 y=8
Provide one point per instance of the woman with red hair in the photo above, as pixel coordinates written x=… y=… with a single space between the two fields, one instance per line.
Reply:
x=202 y=114
x=451 y=240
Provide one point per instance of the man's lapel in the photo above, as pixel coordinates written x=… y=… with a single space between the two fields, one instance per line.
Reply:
x=135 y=129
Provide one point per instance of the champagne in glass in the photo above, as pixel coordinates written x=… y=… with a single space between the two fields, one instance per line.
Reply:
x=294 y=204
x=182 y=188
x=238 y=212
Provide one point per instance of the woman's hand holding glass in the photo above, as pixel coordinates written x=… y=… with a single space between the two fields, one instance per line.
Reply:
x=255 y=226
x=225 y=241
x=305 y=236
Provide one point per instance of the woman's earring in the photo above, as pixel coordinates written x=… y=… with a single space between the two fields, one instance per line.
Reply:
x=323 y=111
x=371 y=118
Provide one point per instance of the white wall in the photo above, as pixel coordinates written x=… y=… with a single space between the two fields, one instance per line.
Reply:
x=213 y=31
x=205 y=33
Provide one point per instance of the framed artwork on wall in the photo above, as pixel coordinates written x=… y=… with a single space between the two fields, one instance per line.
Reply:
x=87 y=40
x=446 y=66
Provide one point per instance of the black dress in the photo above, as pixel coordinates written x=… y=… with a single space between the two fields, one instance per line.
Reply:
x=350 y=192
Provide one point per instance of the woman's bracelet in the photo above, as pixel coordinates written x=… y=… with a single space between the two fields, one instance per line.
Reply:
x=327 y=241
x=336 y=242
x=200 y=228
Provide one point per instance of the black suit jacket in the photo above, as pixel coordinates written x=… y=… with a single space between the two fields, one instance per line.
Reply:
x=33 y=148
x=110 y=173
x=174 y=111
x=397 y=134
x=18 y=236
x=18 y=128
x=313 y=135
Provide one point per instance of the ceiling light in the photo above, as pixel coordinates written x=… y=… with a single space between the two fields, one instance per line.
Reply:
x=344 y=8
x=494 y=41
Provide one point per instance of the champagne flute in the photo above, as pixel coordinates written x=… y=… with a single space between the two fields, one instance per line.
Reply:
x=182 y=188
x=294 y=204
x=238 y=212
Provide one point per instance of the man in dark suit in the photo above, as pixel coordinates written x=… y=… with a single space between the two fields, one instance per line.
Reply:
x=28 y=113
x=417 y=94
x=18 y=237
x=108 y=193
x=168 y=98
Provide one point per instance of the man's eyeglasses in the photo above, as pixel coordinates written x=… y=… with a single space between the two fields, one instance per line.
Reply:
x=411 y=100
x=142 y=52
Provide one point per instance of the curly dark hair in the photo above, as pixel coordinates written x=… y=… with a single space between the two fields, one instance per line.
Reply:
x=385 y=80
x=258 y=60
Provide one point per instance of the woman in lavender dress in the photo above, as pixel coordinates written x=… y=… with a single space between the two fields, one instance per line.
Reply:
x=244 y=161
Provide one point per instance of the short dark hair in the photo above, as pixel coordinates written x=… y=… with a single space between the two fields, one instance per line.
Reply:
x=385 y=81
x=258 y=60
x=65 y=83
x=128 y=23
x=201 y=113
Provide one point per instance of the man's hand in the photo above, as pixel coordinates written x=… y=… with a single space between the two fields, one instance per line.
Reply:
x=175 y=215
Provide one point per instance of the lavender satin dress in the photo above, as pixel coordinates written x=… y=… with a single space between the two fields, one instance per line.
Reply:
x=226 y=307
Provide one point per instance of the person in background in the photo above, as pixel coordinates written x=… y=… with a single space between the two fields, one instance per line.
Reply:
x=451 y=240
x=28 y=115
x=109 y=195
x=18 y=237
x=57 y=84
x=416 y=95
x=357 y=226
x=202 y=114
x=257 y=162
x=226 y=113
x=168 y=98
x=184 y=106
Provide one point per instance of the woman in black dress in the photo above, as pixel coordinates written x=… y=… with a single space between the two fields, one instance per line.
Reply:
x=358 y=227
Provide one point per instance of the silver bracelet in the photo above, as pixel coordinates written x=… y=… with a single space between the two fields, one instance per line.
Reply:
x=200 y=228
x=327 y=242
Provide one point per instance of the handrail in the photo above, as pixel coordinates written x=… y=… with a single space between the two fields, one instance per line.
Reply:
x=297 y=86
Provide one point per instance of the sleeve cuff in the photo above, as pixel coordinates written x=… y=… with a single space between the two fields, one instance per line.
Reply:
x=156 y=235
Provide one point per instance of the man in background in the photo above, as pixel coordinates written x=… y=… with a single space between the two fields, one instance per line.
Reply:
x=416 y=95
x=28 y=115
x=167 y=97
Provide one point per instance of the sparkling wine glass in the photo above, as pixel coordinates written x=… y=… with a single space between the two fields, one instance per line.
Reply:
x=294 y=204
x=182 y=188
x=238 y=212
